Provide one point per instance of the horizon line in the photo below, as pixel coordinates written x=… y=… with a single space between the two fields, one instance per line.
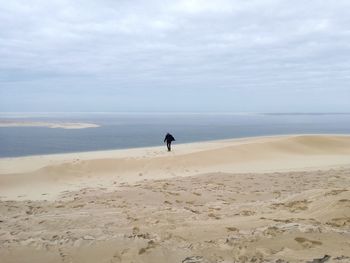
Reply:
x=170 y=113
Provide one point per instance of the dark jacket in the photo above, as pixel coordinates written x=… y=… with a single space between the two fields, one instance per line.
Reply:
x=169 y=138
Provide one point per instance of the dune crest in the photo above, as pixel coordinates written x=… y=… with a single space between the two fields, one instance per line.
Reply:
x=258 y=155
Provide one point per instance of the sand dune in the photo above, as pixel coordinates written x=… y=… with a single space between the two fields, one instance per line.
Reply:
x=271 y=199
x=266 y=154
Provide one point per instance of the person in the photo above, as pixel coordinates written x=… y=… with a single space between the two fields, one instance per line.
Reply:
x=168 y=139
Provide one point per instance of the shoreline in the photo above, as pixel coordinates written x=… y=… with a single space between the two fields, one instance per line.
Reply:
x=174 y=145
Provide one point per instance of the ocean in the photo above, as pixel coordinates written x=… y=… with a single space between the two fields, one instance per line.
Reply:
x=122 y=130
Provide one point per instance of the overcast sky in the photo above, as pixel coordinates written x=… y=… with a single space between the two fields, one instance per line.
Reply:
x=196 y=56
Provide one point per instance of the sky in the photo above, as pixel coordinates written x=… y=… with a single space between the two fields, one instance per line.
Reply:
x=175 y=56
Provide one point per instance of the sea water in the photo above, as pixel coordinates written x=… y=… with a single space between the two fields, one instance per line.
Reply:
x=121 y=130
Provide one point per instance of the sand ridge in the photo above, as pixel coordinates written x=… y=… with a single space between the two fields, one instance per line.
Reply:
x=55 y=173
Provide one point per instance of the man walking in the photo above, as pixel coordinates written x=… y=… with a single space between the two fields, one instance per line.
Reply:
x=168 y=139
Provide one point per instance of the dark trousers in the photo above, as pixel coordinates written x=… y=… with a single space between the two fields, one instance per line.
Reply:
x=168 y=144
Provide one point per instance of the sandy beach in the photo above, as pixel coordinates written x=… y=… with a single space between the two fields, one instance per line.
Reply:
x=262 y=199
x=51 y=125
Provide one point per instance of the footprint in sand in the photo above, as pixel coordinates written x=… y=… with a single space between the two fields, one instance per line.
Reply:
x=151 y=244
x=78 y=206
x=117 y=257
x=344 y=202
x=339 y=222
x=273 y=231
x=336 y=192
x=173 y=193
x=307 y=243
x=65 y=257
x=212 y=215
x=232 y=229
x=320 y=260
x=192 y=210
x=293 y=206
x=32 y=210
x=297 y=205
x=247 y=213
x=194 y=259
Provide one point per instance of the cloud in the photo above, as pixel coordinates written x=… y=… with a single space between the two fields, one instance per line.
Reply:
x=260 y=46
